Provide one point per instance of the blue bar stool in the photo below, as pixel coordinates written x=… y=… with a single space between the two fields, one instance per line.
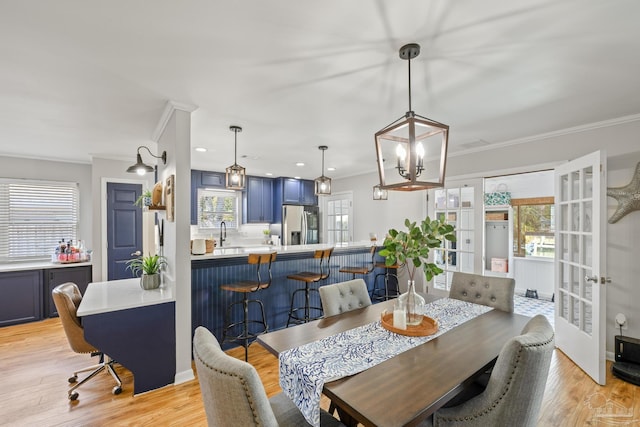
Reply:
x=245 y=287
x=309 y=278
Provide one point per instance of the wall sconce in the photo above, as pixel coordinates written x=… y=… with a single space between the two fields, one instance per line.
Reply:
x=380 y=193
x=235 y=175
x=140 y=167
x=410 y=139
x=322 y=183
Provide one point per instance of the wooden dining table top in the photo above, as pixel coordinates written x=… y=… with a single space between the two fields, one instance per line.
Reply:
x=406 y=389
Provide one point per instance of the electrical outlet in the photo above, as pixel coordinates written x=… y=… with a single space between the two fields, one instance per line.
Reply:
x=621 y=321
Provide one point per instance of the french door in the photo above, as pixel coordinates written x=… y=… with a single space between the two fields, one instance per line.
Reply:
x=580 y=262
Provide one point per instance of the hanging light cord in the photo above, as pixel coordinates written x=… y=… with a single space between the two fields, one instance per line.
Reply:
x=235 y=147
x=409 y=61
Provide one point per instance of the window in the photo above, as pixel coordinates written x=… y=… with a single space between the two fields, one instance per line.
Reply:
x=533 y=227
x=215 y=206
x=338 y=219
x=35 y=216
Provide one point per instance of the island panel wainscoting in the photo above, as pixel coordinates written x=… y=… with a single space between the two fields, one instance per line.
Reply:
x=209 y=302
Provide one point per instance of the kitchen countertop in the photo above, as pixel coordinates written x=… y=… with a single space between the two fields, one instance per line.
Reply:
x=37 y=265
x=242 y=251
x=115 y=295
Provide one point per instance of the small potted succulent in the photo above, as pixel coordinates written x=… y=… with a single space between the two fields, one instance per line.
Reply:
x=144 y=199
x=148 y=269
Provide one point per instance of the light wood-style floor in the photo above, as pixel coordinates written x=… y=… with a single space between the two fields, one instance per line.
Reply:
x=35 y=362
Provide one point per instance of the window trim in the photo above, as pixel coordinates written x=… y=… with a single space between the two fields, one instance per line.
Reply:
x=528 y=201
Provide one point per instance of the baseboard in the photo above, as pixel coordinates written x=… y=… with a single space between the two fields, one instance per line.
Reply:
x=184 y=376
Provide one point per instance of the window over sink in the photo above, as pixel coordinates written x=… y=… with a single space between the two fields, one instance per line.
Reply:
x=215 y=206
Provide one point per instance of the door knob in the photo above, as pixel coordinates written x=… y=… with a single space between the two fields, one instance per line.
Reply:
x=136 y=253
x=604 y=280
x=593 y=279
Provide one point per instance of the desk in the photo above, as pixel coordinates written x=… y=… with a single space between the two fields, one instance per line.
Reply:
x=411 y=386
x=134 y=327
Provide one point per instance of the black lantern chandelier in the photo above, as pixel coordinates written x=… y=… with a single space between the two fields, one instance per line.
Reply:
x=322 y=183
x=235 y=175
x=411 y=139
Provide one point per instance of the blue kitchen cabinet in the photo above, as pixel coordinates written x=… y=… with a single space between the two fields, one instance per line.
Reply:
x=21 y=297
x=203 y=179
x=259 y=200
x=53 y=277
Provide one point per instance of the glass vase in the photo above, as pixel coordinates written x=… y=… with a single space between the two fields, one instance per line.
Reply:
x=414 y=304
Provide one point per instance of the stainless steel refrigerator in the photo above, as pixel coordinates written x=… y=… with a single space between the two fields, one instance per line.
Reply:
x=300 y=225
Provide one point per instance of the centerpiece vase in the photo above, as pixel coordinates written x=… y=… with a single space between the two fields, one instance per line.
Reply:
x=414 y=304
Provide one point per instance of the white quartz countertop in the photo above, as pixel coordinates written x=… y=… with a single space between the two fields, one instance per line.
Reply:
x=114 y=295
x=37 y=265
x=240 y=251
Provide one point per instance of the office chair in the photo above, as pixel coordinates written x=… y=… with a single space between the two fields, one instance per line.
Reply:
x=67 y=298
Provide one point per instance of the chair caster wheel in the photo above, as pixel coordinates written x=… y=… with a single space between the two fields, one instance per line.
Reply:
x=73 y=379
x=117 y=390
x=73 y=396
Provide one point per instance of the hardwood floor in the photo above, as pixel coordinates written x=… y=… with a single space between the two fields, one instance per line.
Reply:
x=35 y=362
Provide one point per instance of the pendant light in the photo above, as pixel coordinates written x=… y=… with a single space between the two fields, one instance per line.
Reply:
x=380 y=193
x=412 y=140
x=322 y=183
x=142 y=168
x=235 y=175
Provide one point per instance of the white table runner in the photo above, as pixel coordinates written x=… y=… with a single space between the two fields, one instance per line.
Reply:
x=305 y=369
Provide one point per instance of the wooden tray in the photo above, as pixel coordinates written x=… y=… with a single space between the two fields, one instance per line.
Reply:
x=429 y=326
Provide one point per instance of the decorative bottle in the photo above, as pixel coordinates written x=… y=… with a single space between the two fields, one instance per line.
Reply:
x=414 y=304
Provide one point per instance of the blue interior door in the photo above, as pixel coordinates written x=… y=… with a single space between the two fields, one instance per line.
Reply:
x=124 y=228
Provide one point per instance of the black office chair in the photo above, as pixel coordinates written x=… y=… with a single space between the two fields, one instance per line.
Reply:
x=67 y=298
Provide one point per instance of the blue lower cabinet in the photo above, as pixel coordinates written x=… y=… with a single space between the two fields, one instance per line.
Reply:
x=21 y=297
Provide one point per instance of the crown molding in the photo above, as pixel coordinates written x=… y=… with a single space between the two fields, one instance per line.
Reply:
x=543 y=136
x=169 y=108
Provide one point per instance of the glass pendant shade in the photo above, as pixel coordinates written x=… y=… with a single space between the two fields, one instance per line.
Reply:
x=235 y=175
x=412 y=142
x=322 y=183
x=379 y=193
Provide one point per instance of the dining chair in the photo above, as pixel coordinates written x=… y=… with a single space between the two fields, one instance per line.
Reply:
x=344 y=296
x=496 y=292
x=513 y=395
x=67 y=299
x=233 y=394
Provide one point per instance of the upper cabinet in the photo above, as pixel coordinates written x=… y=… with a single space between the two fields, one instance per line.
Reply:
x=292 y=191
x=259 y=200
x=203 y=179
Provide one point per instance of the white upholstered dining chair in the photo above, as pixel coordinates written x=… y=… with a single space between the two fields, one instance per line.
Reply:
x=513 y=395
x=233 y=394
x=344 y=296
x=496 y=292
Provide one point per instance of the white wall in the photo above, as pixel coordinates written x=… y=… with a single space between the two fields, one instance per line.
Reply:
x=15 y=167
x=619 y=138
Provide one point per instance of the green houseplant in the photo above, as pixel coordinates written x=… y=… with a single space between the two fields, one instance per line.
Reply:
x=410 y=250
x=148 y=269
x=144 y=199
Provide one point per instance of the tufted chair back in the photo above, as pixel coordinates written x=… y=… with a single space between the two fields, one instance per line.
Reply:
x=496 y=292
x=513 y=396
x=345 y=296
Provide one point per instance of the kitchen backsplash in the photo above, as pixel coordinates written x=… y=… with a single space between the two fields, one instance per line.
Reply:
x=247 y=234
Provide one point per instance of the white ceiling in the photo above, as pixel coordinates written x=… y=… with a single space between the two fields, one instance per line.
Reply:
x=83 y=78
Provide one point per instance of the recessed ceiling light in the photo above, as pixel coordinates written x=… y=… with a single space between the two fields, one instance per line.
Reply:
x=201 y=149
x=300 y=164
x=297 y=177
x=269 y=174
x=330 y=169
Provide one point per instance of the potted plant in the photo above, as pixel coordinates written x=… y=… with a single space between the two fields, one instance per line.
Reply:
x=144 y=199
x=410 y=249
x=148 y=269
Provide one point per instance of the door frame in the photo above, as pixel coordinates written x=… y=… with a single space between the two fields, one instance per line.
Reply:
x=104 y=261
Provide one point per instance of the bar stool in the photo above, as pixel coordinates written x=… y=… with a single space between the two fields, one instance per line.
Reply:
x=309 y=277
x=389 y=271
x=364 y=270
x=245 y=287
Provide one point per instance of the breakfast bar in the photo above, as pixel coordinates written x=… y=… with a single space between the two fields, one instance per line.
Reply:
x=227 y=265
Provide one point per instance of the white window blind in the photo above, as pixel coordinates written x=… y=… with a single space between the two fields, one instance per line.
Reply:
x=35 y=216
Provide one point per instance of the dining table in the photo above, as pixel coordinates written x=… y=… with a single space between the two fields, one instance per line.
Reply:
x=408 y=387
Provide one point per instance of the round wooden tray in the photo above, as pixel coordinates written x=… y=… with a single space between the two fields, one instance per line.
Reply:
x=428 y=326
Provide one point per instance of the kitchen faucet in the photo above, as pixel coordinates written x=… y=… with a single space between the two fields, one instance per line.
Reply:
x=223 y=237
